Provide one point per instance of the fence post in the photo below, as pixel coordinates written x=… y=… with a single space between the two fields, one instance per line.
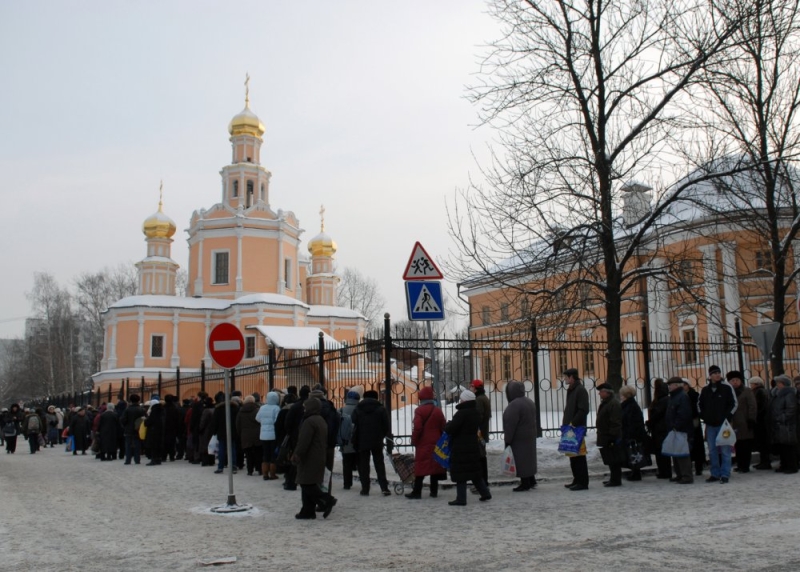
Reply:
x=203 y=375
x=141 y=390
x=160 y=397
x=321 y=359
x=739 y=348
x=178 y=383
x=233 y=380
x=127 y=388
x=646 y=357
x=537 y=399
x=387 y=372
x=110 y=395
x=272 y=358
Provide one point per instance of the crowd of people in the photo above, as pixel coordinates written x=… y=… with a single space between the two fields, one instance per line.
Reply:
x=296 y=433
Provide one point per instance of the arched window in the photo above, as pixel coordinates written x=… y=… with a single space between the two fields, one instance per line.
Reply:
x=262 y=192
x=235 y=189
x=249 y=197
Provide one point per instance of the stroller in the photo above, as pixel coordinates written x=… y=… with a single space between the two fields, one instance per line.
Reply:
x=404 y=467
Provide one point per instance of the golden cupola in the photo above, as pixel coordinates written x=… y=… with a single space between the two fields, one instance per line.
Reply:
x=246 y=122
x=322 y=244
x=159 y=225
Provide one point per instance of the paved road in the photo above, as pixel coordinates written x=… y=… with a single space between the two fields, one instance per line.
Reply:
x=61 y=512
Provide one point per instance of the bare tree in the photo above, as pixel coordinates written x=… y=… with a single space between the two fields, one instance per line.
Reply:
x=752 y=106
x=360 y=293
x=583 y=95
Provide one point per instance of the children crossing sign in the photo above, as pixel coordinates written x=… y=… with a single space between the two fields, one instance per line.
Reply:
x=421 y=266
x=424 y=300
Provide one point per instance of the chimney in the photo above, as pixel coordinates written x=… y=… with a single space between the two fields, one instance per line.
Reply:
x=635 y=202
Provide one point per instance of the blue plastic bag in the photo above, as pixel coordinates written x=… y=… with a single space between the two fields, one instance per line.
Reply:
x=441 y=452
x=571 y=439
x=70 y=444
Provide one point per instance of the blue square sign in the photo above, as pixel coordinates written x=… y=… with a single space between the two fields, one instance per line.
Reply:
x=424 y=300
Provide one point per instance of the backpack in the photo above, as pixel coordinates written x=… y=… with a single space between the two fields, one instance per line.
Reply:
x=9 y=429
x=345 y=430
x=33 y=424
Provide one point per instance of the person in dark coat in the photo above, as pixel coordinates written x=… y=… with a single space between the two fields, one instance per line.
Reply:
x=154 y=440
x=657 y=425
x=519 y=433
x=371 y=426
x=108 y=429
x=744 y=421
x=79 y=429
x=783 y=419
x=345 y=438
x=465 y=453
x=609 y=433
x=698 y=443
x=576 y=411
x=220 y=429
x=485 y=409
x=309 y=457
x=173 y=426
x=762 y=429
x=32 y=427
x=633 y=430
x=429 y=424
x=294 y=417
x=206 y=429
x=679 y=419
x=128 y=419
x=194 y=432
x=12 y=427
x=249 y=431
x=716 y=405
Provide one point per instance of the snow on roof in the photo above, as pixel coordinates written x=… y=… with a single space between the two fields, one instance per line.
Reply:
x=296 y=338
x=158 y=301
x=334 y=312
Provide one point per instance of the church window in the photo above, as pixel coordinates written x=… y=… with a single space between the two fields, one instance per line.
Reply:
x=249 y=197
x=235 y=189
x=689 y=337
x=250 y=347
x=486 y=316
x=220 y=271
x=157 y=346
x=287 y=273
x=262 y=191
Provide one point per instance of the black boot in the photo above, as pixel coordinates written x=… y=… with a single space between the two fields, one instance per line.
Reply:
x=416 y=492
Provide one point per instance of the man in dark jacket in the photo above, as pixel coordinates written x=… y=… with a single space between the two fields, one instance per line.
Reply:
x=609 y=434
x=575 y=413
x=220 y=429
x=371 y=426
x=762 y=436
x=783 y=417
x=679 y=419
x=133 y=412
x=194 y=427
x=154 y=441
x=484 y=407
x=716 y=405
x=294 y=418
x=698 y=446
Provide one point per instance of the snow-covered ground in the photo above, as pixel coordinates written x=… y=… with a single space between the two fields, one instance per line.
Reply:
x=64 y=513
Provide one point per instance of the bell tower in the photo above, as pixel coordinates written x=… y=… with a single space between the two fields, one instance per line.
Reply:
x=157 y=271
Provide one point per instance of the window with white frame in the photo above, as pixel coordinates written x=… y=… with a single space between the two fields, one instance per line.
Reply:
x=688 y=334
x=527 y=364
x=235 y=189
x=157 y=346
x=486 y=316
x=220 y=269
x=487 y=369
x=287 y=273
x=249 y=347
x=504 y=312
x=506 y=361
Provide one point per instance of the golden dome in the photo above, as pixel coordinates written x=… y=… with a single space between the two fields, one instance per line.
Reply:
x=246 y=123
x=322 y=244
x=158 y=225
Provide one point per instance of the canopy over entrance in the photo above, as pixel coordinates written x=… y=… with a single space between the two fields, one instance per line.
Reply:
x=296 y=338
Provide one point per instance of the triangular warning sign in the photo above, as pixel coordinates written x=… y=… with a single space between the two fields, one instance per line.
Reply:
x=421 y=266
x=425 y=302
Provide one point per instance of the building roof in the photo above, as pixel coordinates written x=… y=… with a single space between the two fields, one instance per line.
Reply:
x=296 y=337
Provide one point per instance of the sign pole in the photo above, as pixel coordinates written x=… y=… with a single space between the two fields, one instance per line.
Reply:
x=229 y=438
x=766 y=354
x=434 y=366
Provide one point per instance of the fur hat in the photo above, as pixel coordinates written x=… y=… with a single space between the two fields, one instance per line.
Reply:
x=674 y=379
x=571 y=372
x=757 y=380
x=784 y=379
x=733 y=374
x=466 y=395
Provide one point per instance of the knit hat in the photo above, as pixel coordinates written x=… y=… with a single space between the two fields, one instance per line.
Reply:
x=371 y=394
x=784 y=379
x=317 y=394
x=476 y=383
x=466 y=395
x=714 y=369
x=571 y=372
x=425 y=393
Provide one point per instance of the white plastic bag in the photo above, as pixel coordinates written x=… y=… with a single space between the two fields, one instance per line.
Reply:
x=726 y=435
x=676 y=444
x=509 y=468
x=213 y=445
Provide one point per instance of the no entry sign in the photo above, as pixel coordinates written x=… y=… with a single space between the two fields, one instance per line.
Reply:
x=226 y=345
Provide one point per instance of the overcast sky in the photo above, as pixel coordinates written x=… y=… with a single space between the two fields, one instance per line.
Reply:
x=363 y=102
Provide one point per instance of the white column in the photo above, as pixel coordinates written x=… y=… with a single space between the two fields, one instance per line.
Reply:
x=711 y=285
x=112 y=345
x=175 y=360
x=206 y=356
x=239 y=262
x=281 y=265
x=138 y=361
x=198 y=282
x=730 y=284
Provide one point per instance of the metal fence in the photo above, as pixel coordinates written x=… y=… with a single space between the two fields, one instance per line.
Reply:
x=495 y=358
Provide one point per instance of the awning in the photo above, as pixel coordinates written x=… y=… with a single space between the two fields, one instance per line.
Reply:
x=295 y=338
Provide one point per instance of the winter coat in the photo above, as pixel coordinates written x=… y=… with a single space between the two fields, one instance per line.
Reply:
x=609 y=422
x=576 y=409
x=219 y=425
x=783 y=416
x=108 y=431
x=129 y=417
x=632 y=421
x=485 y=409
x=310 y=451
x=657 y=419
x=349 y=407
x=51 y=421
x=371 y=421
x=173 y=422
x=27 y=425
x=206 y=428
x=247 y=426
x=59 y=420
x=154 y=439
x=762 y=412
x=519 y=429
x=717 y=403
x=465 y=453
x=331 y=417
x=294 y=417
x=79 y=429
x=267 y=415
x=679 y=413
x=746 y=414
x=12 y=417
x=429 y=424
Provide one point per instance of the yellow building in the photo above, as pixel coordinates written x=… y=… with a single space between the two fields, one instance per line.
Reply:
x=246 y=266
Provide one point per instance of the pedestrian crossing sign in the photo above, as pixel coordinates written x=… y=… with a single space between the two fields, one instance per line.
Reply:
x=421 y=266
x=424 y=300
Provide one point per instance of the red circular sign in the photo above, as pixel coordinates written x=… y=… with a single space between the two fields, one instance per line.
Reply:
x=226 y=345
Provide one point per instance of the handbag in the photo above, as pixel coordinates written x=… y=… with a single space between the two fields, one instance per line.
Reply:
x=635 y=455
x=509 y=466
x=676 y=444
x=441 y=452
x=571 y=441
x=142 y=431
x=213 y=445
x=726 y=436
x=284 y=453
